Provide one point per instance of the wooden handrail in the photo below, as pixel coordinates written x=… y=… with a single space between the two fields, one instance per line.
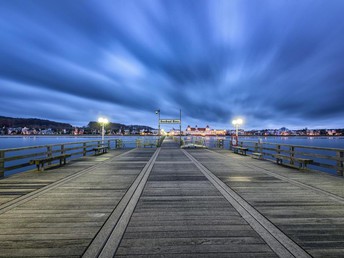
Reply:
x=325 y=159
x=15 y=158
x=15 y=161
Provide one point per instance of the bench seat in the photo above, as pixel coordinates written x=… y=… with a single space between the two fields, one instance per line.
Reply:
x=41 y=161
x=303 y=162
x=257 y=155
x=151 y=145
x=240 y=150
x=100 y=150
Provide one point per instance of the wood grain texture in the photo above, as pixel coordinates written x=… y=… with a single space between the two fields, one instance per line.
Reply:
x=63 y=220
x=180 y=213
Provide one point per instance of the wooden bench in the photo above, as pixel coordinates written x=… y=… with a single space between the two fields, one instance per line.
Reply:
x=257 y=155
x=100 y=150
x=240 y=150
x=151 y=145
x=40 y=162
x=302 y=161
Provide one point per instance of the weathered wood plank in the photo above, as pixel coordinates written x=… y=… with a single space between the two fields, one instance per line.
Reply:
x=172 y=204
x=175 y=249
x=295 y=202
x=180 y=213
x=62 y=221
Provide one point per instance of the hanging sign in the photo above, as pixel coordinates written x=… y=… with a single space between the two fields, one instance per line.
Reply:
x=169 y=121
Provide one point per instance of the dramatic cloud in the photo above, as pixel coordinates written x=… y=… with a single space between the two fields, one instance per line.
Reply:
x=274 y=63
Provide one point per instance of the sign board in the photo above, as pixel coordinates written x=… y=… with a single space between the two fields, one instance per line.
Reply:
x=169 y=121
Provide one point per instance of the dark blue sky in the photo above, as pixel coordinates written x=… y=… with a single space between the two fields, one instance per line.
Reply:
x=272 y=62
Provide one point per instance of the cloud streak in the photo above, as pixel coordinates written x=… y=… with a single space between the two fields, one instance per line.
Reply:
x=275 y=63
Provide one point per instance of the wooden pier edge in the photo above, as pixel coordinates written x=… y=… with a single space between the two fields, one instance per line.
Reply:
x=281 y=244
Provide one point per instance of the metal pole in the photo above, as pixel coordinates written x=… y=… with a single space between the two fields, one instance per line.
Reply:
x=237 y=129
x=157 y=112
x=103 y=134
x=180 y=127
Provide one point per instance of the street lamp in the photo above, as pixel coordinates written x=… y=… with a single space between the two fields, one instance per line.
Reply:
x=237 y=123
x=103 y=121
x=157 y=112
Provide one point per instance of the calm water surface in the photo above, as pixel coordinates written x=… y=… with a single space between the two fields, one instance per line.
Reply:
x=24 y=141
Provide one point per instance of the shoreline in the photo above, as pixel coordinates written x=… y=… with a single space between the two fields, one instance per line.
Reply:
x=211 y=136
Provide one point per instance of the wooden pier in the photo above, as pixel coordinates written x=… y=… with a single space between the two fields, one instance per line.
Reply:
x=171 y=202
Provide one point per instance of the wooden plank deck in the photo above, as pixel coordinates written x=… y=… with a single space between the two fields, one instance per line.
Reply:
x=169 y=202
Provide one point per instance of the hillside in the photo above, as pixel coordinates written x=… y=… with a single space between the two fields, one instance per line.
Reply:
x=32 y=123
x=10 y=122
x=117 y=126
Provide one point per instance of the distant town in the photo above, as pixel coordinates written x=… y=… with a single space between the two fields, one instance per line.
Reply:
x=22 y=126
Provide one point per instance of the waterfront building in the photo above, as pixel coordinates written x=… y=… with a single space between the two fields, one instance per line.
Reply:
x=25 y=131
x=174 y=132
x=206 y=131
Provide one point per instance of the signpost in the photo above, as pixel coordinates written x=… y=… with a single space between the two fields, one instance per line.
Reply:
x=169 y=121
x=172 y=121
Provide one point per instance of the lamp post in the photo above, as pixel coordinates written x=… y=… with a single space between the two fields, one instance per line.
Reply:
x=157 y=112
x=237 y=123
x=103 y=121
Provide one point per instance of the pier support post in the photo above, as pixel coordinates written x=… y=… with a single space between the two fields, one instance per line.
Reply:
x=49 y=153
x=119 y=143
x=292 y=154
x=278 y=150
x=340 y=161
x=2 y=164
x=84 y=149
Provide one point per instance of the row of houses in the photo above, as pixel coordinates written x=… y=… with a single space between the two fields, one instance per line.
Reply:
x=199 y=131
x=30 y=131
x=287 y=132
x=189 y=131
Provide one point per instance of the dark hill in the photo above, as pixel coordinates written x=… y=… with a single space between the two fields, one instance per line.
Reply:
x=32 y=123
x=117 y=126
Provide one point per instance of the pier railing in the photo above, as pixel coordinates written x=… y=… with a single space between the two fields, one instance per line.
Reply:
x=18 y=159
x=324 y=159
x=328 y=160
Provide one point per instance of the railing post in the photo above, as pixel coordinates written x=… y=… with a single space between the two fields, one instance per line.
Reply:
x=2 y=164
x=49 y=153
x=261 y=148
x=84 y=149
x=278 y=149
x=340 y=161
x=256 y=147
x=62 y=149
x=220 y=143
x=291 y=154
x=109 y=145
x=118 y=144
x=99 y=144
